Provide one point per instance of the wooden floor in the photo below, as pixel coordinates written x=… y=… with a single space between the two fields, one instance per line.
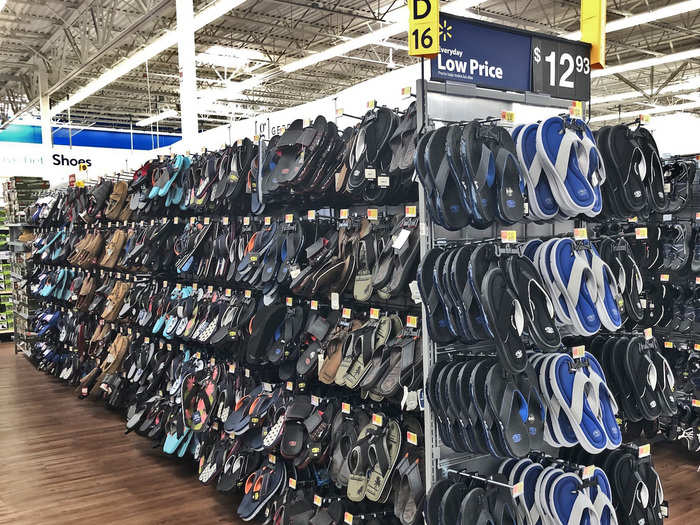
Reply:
x=67 y=461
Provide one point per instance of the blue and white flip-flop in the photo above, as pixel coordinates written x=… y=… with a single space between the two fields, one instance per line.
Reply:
x=577 y=284
x=542 y=202
x=562 y=153
x=578 y=400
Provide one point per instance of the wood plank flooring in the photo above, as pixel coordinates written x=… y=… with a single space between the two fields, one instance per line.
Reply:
x=67 y=461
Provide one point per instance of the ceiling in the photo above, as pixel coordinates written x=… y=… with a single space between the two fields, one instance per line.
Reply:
x=75 y=41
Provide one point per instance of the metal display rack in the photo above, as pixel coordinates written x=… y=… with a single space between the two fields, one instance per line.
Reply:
x=442 y=103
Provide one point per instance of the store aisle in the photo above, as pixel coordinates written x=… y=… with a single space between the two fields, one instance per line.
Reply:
x=66 y=461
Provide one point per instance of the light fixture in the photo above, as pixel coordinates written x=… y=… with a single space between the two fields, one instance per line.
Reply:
x=647 y=62
x=646 y=17
x=160 y=44
x=653 y=111
x=231 y=90
x=691 y=83
x=168 y=113
x=2 y=4
x=229 y=57
x=398 y=25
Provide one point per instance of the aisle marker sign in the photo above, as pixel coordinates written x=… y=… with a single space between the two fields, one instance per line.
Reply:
x=423 y=27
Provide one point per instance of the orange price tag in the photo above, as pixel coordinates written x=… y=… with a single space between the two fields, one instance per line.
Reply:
x=347 y=313
x=314 y=304
x=290 y=301
x=372 y=214
x=412 y=321
x=344 y=213
x=345 y=408
x=374 y=313
x=377 y=420
x=668 y=344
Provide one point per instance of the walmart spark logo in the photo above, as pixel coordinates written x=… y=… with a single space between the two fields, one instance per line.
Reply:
x=445 y=31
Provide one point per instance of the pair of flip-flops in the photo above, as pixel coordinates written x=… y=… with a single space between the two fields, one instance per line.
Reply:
x=471 y=175
x=583 y=287
x=639 y=375
x=472 y=293
x=563 y=168
x=481 y=409
x=554 y=495
x=458 y=500
x=581 y=408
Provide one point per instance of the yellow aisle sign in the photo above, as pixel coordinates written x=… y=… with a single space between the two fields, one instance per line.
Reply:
x=423 y=27
x=593 y=20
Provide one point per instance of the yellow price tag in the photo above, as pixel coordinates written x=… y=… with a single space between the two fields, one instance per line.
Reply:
x=347 y=518
x=648 y=334
x=668 y=344
x=588 y=472
x=344 y=213
x=412 y=438
x=696 y=403
x=411 y=211
x=311 y=215
x=374 y=313
x=578 y=351
x=518 y=489
x=640 y=233
x=372 y=214
x=339 y=112
x=314 y=304
x=412 y=321
x=644 y=450
x=317 y=500
x=290 y=301
x=580 y=234
x=664 y=277
x=268 y=221
x=406 y=91
x=371 y=104
x=247 y=294
x=509 y=236
x=246 y=221
x=345 y=408
x=289 y=218
x=347 y=313
x=377 y=420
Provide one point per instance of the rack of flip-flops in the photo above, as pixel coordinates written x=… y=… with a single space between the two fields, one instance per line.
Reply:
x=281 y=351
x=526 y=287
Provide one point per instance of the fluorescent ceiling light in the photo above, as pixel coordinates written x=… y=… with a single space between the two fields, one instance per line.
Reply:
x=160 y=44
x=646 y=17
x=168 y=113
x=229 y=57
x=692 y=83
x=647 y=62
x=653 y=111
x=399 y=18
x=232 y=90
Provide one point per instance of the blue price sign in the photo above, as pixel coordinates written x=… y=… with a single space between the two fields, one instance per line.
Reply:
x=482 y=54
